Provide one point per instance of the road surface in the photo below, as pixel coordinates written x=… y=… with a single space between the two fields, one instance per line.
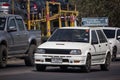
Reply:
x=16 y=70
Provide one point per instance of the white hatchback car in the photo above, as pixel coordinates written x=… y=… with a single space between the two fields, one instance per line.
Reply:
x=113 y=35
x=74 y=47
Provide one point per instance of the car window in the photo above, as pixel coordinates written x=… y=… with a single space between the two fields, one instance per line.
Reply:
x=101 y=36
x=118 y=32
x=94 y=37
x=71 y=35
x=11 y=23
x=20 y=24
x=2 y=23
x=109 y=33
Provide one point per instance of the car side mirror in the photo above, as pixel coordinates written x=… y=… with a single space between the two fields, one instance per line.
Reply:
x=12 y=29
x=118 y=37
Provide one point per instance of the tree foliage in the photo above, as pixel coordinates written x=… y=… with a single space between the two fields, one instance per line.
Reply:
x=99 y=8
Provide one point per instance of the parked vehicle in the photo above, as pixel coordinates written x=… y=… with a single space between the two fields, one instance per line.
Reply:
x=113 y=35
x=6 y=6
x=18 y=7
x=16 y=41
x=33 y=8
x=74 y=47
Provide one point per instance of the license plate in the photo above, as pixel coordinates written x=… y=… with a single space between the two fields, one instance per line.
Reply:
x=56 y=60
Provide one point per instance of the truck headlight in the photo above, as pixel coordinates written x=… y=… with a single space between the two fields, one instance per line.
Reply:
x=41 y=51
x=75 y=52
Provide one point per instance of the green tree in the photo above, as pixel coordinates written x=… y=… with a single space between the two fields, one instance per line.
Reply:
x=99 y=8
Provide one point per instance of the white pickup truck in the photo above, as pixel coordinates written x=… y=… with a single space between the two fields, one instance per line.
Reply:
x=74 y=47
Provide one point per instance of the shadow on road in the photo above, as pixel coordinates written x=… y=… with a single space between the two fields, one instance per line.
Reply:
x=76 y=70
x=69 y=70
x=15 y=63
x=117 y=60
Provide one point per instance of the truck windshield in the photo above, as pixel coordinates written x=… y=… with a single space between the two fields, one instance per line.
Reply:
x=2 y=23
x=70 y=35
x=109 y=33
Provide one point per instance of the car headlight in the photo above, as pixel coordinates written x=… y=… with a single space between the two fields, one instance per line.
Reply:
x=41 y=51
x=75 y=52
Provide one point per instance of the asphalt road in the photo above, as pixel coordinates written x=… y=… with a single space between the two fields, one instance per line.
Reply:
x=16 y=70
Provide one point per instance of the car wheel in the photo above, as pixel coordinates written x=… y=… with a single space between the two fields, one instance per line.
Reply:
x=3 y=56
x=29 y=59
x=106 y=66
x=40 y=67
x=114 y=54
x=87 y=67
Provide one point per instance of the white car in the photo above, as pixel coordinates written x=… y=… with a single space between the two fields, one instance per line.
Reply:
x=74 y=47
x=113 y=35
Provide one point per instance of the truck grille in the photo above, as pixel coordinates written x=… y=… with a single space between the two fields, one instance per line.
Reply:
x=57 y=51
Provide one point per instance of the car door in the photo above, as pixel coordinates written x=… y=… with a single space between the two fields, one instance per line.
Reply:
x=103 y=45
x=13 y=33
x=96 y=47
x=23 y=34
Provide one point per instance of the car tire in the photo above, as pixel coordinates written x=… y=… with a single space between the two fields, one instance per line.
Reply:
x=114 y=53
x=87 y=67
x=106 y=66
x=3 y=56
x=29 y=59
x=40 y=67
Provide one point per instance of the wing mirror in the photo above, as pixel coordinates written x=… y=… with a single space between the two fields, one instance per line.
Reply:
x=118 y=37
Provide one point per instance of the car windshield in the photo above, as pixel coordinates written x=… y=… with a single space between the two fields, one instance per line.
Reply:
x=109 y=33
x=70 y=35
x=3 y=0
x=2 y=23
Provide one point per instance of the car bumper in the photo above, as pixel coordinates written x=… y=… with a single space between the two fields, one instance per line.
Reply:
x=58 y=60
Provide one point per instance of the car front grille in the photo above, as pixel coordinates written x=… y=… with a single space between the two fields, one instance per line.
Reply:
x=57 y=51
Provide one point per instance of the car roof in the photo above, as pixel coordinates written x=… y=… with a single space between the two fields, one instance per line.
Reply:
x=81 y=27
x=110 y=28
x=7 y=15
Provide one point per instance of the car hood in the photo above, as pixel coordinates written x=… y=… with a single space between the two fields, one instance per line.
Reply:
x=63 y=45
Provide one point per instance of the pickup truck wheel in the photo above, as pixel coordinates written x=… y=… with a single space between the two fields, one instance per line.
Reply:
x=40 y=67
x=87 y=67
x=3 y=56
x=29 y=59
x=106 y=66
x=114 y=54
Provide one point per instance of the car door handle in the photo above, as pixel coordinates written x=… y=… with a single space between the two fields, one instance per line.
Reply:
x=25 y=33
x=17 y=34
x=99 y=45
x=106 y=44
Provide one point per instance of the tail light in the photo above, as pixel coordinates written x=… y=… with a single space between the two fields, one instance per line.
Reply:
x=35 y=6
x=6 y=4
